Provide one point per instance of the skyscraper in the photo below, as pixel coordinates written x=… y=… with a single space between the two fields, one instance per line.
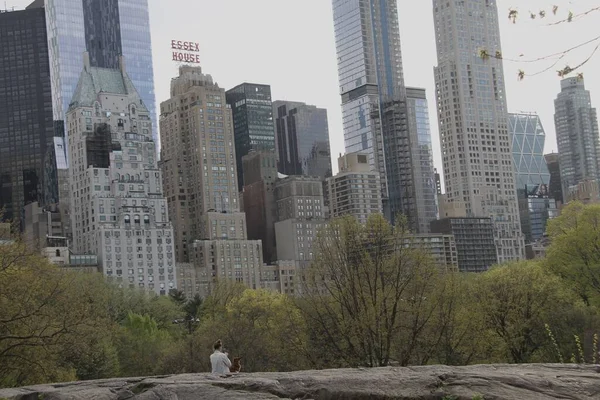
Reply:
x=118 y=211
x=577 y=134
x=26 y=127
x=355 y=190
x=555 y=187
x=536 y=206
x=473 y=120
x=424 y=195
x=252 y=112
x=302 y=139
x=374 y=102
x=200 y=179
x=107 y=29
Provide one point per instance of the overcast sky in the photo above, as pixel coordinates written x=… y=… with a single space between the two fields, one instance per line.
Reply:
x=290 y=45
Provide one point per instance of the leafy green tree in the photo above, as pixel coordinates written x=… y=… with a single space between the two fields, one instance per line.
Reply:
x=141 y=344
x=265 y=328
x=516 y=301
x=574 y=253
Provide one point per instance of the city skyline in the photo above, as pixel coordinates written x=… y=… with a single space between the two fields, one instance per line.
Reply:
x=317 y=83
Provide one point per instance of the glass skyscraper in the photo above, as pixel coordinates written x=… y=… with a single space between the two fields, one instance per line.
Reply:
x=374 y=103
x=252 y=111
x=302 y=139
x=473 y=120
x=107 y=29
x=576 y=124
x=532 y=175
x=423 y=173
x=26 y=129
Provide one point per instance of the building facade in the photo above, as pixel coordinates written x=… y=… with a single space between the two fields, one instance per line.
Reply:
x=425 y=208
x=555 y=186
x=473 y=119
x=198 y=162
x=302 y=139
x=442 y=249
x=355 y=190
x=200 y=179
x=118 y=211
x=252 y=112
x=260 y=172
x=26 y=127
x=370 y=72
x=576 y=125
x=107 y=30
x=475 y=241
x=536 y=206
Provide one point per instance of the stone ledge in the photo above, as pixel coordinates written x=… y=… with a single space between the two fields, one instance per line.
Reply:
x=492 y=382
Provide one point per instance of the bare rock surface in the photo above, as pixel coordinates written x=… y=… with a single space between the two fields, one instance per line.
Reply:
x=489 y=382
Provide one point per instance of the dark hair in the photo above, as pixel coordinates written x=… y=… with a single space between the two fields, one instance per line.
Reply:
x=218 y=344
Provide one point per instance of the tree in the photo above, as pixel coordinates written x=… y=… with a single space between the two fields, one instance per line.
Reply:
x=574 y=253
x=40 y=311
x=364 y=287
x=142 y=345
x=265 y=328
x=548 y=15
x=516 y=301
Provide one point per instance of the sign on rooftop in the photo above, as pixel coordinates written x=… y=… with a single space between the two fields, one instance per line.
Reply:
x=186 y=52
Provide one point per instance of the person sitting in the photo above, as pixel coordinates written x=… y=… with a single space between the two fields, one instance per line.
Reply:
x=219 y=360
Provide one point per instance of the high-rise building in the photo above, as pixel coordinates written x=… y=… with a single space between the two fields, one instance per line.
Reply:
x=536 y=206
x=442 y=248
x=473 y=120
x=576 y=125
x=260 y=172
x=252 y=112
x=302 y=139
x=106 y=29
x=438 y=182
x=355 y=190
x=375 y=104
x=200 y=179
x=300 y=217
x=118 y=211
x=555 y=187
x=423 y=199
x=475 y=241
x=26 y=127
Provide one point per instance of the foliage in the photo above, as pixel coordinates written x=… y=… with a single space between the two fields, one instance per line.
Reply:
x=575 y=251
x=366 y=292
x=370 y=299
x=554 y=15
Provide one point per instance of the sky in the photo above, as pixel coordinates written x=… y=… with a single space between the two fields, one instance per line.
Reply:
x=290 y=45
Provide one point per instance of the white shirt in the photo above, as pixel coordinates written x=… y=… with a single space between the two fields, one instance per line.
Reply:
x=220 y=362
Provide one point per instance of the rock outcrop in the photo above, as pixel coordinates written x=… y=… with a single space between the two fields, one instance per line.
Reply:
x=487 y=382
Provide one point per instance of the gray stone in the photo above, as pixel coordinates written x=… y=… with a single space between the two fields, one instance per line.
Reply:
x=541 y=381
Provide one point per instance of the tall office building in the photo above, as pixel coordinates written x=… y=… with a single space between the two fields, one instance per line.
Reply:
x=374 y=101
x=26 y=128
x=577 y=134
x=260 y=175
x=118 y=211
x=423 y=198
x=200 y=179
x=106 y=29
x=302 y=139
x=473 y=120
x=555 y=187
x=355 y=190
x=536 y=206
x=252 y=112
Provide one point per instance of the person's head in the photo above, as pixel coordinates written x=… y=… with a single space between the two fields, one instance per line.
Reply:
x=218 y=345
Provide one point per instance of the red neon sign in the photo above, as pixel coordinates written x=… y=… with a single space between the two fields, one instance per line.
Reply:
x=184 y=51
